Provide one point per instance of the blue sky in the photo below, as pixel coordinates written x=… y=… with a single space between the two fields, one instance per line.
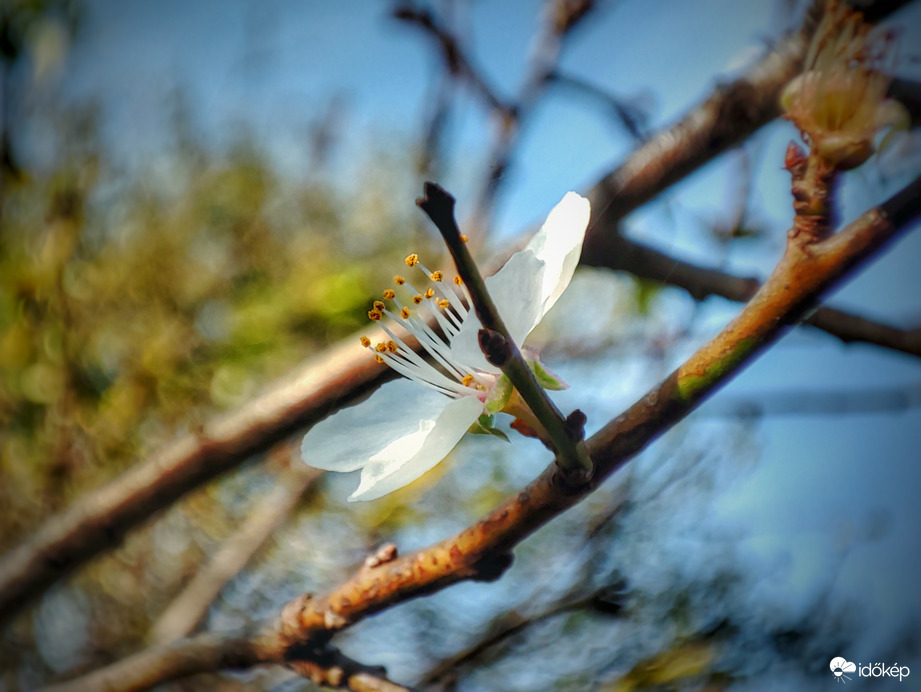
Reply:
x=272 y=65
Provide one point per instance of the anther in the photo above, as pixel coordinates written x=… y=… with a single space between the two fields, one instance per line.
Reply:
x=412 y=260
x=399 y=280
x=443 y=304
x=375 y=315
x=365 y=341
x=378 y=359
x=430 y=293
x=404 y=313
x=389 y=294
x=379 y=305
x=436 y=275
x=417 y=299
x=459 y=281
x=392 y=346
x=463 y=238
x=466 y=380
x=381 y=347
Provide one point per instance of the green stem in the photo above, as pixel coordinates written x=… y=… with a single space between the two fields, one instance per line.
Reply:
x=572 y=456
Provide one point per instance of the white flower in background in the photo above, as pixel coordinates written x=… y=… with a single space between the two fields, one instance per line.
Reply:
x=839 y=103
x=406 y=427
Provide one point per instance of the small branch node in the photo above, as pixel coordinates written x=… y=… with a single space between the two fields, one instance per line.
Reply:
x=575 y=425
x=494 y=346
x=386 y=553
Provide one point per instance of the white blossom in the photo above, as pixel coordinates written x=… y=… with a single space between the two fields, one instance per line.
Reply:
x=406 y=427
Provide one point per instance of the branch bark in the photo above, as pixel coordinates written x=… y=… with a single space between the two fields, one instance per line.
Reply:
x=186 y=610
x=101 y=518
x=701 y=282
x=806 y=272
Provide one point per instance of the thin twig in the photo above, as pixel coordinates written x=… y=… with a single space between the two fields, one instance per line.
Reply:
x=212 y=652
x=702 y=282
x=182 y=615
x=504 y=352
x=560 y=18
x=455 y=58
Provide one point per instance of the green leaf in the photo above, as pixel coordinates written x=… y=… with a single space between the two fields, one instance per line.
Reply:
x=546 y=378
x=499 y=396
x=485 y=426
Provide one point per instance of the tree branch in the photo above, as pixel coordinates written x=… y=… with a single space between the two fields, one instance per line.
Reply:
x=701 y=282
x=189 y=607
x=211 y=652
x=101 y=518
x=455 y=58
x=497 y=343
x=729 y=115
x=482 y=551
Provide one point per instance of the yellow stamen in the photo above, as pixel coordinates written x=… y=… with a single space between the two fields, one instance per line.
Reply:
x=375 y=315
x=443 y=303
x=378 y=359
x=365 y=341
x=392 y=346
x=430 y=293
x=379 y=306
x=463 y=238
x=466 y=380
x=459 y=281
x=389 y=294
x=417 y=299
x=380 y=347
x=404 y=313
x=399 y=280
x=412 y=260
x=436 y=275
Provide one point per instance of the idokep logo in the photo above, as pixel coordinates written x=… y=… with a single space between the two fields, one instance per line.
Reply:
x=840 y=667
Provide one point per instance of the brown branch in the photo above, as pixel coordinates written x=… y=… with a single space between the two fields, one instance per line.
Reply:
x=455 y=58
x=560 y=18
x=728 y=116
x=482 y=551
x=189 y=607
x=702 y=282
x=100 y=519
x=211 y=652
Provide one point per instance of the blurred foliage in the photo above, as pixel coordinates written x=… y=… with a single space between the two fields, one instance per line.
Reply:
x=134 y=305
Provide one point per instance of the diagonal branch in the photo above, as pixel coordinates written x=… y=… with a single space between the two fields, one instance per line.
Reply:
x=497 y=344
x=100 y=519
x=185 y=611
x=327 y=667
x=701 y=282
x=483 y=551
x=455 y=58
x=731 y=114
x=560 y=18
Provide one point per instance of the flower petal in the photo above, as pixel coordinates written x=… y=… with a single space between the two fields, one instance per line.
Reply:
x=515 y=291
x=532 y=280
x=350 y=437
x=558 y=245
x=390 y=469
